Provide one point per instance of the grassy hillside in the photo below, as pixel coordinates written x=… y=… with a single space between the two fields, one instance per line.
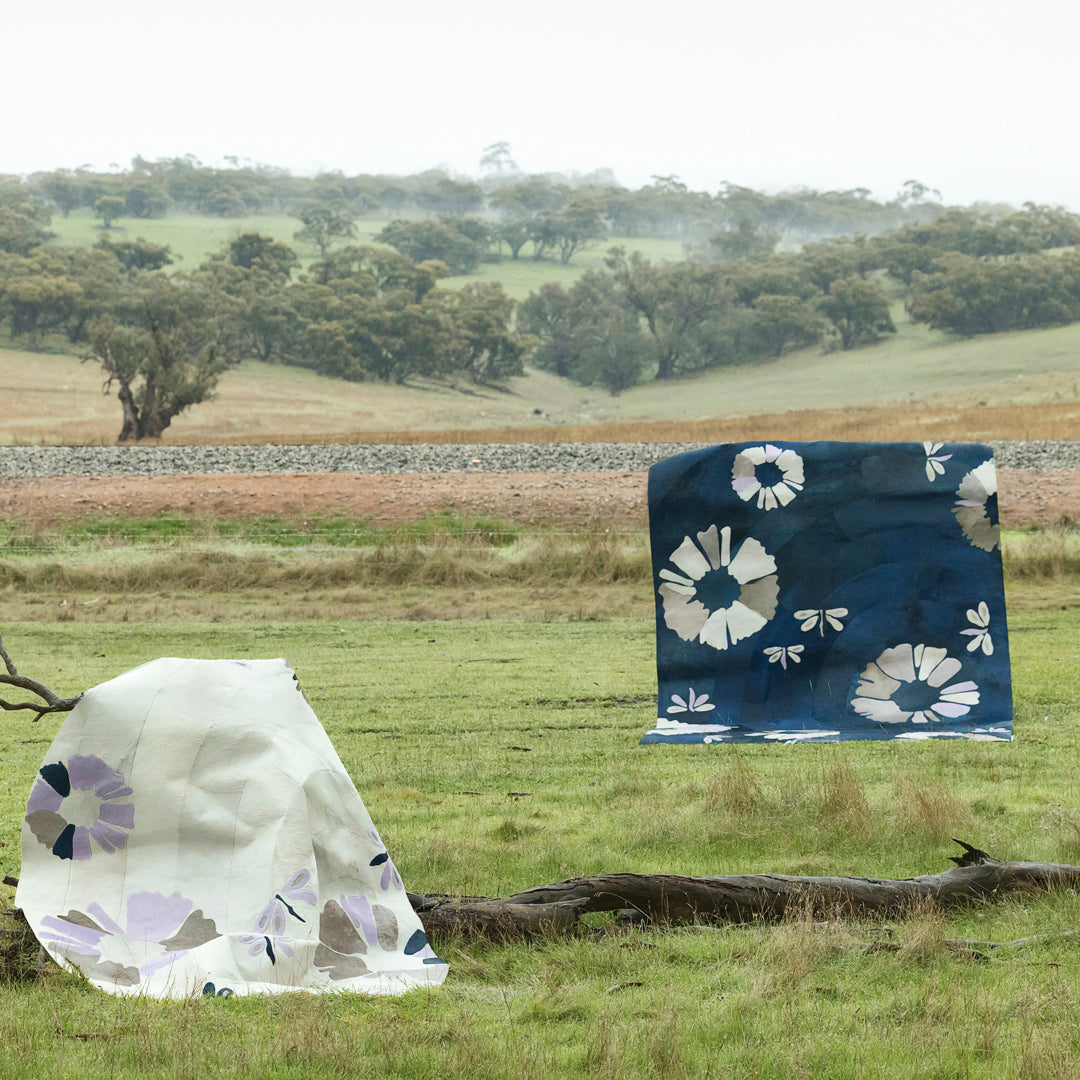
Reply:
x=919 y=384
x=192 y=238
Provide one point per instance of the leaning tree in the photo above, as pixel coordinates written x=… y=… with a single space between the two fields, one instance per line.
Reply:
x=164 y=343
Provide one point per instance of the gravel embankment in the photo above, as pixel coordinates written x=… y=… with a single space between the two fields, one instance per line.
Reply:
x=18 y=462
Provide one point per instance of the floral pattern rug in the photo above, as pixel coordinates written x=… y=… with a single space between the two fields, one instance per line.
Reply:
x=827 y=591
x=192 y=831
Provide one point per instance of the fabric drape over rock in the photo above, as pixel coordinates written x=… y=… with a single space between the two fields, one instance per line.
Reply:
x=192 y=831
x=829 y=591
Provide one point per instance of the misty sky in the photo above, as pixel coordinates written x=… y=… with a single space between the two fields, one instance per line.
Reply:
x=976 y=99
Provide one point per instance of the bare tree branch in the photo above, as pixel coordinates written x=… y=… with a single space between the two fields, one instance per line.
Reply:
x=53 y=701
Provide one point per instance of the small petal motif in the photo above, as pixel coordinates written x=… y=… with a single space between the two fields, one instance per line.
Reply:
x=696 y=703
x=783 y=653
x=71 y=804
x=979 y=631
x=822 y=617
x=934 y=466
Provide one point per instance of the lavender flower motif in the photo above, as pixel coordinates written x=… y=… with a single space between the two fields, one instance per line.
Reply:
x=349 y=927
x=390 y=876
x=72 y=804
x=784 y=653
x=934 y=460
x=272 y=923
x=159 y=930
x=693 y=703
x=980 y=630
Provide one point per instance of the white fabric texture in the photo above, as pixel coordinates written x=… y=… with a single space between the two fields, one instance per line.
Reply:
x=192 y=831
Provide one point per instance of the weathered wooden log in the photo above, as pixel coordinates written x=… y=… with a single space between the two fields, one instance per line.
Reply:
x=739 y=898
x=496 y=920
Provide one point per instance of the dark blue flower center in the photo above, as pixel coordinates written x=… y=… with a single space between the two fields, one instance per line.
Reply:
x=768 y=475
x=718 y=589
x=916 y=696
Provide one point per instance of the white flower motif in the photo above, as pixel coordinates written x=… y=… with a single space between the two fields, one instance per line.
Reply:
x=699 y=598
x=975 y=491
x=799 y=735
x=667 y=726
x=791 y=736
x=819 y=617
x=980 y=630
x=906 y=683
x=784 y=653
x=775 y=476
x=934 y=460
x=694 y=703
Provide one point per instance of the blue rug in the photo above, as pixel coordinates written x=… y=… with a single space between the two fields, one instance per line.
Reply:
x=826 y=591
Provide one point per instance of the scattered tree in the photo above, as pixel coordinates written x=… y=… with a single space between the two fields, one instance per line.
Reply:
x=165 y=344
x=109 y=208
x=323 y=224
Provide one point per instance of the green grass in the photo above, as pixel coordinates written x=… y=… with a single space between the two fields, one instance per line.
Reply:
x=192 y=237
x=439 y=723
x=524 y=275
x=499 y=753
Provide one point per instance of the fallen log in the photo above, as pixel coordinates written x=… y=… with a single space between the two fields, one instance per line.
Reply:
x=739 y=898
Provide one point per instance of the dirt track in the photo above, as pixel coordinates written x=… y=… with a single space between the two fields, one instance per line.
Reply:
x=1026 y=497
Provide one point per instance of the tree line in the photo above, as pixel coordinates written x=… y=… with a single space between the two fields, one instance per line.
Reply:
x=963 y=273
x=164 y=338
x=524 y=206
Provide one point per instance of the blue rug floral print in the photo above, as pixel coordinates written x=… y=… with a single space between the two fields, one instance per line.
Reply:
x=827 y=591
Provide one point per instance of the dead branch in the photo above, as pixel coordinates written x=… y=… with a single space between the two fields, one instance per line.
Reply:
x=53 y=702
x=740 y=898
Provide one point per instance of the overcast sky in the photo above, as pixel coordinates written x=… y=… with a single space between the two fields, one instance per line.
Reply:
x=974 y=97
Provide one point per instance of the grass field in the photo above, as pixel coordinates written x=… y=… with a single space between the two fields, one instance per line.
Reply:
x=440 y=722
x=192 y=237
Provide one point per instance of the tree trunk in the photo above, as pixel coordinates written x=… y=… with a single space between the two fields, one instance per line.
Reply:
x=741 y=898
x=130 y=427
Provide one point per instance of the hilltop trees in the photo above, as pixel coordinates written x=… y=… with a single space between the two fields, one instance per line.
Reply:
x=976 y=296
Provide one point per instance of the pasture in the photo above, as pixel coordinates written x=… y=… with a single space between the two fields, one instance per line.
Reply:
x=500 y=751
x=193 y=237
x=919 y=384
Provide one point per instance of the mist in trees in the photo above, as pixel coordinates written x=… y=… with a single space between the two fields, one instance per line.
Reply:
x=761 y=275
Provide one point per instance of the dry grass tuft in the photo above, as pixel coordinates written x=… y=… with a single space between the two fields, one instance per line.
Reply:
x=843 y=797
x=735 y=791
x=922 y=935
x=928 y=807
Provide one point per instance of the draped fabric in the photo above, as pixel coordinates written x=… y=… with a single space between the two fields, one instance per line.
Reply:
x=192 y=831
x=827 y=591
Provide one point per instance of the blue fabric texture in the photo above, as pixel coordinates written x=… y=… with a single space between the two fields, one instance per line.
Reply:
x=827 y=591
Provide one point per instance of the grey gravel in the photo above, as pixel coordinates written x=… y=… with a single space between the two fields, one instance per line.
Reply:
x=18 y=462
